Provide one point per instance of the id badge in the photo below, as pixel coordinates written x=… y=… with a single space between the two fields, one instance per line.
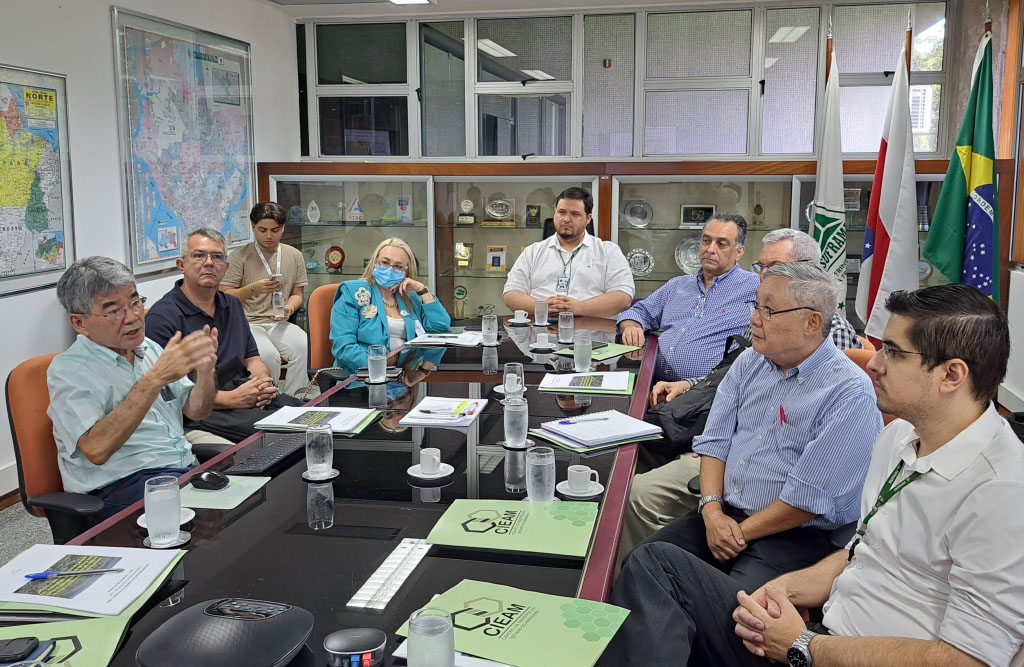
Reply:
x=418 y=328
x=562 y=286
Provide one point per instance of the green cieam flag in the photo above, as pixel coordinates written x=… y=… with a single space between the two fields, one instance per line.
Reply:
x=963 y=242
x=829 y=225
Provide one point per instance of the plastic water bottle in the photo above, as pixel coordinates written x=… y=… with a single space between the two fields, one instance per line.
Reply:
x=278 y=303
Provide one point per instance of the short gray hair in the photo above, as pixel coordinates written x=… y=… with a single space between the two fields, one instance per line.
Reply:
x=810 y=286
x=88 y=278
x=805 y=248
x=211 y=234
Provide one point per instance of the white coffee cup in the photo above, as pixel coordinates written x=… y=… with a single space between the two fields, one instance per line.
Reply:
x=581 y=478
x=520 y=316
x=542 y=338
x=430 y=460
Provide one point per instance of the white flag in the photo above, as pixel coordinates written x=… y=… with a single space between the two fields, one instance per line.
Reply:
x=829 y=222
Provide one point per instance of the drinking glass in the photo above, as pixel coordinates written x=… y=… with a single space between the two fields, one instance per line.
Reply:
x=431 y=638
x=516 y=422
x=378 y=395
x=490 y=361
x=540 y=312
x=565 y=327
x=163 y=510
x=319 y=451
x=582 y=349
x=514 y=381
x=515 y=470
x=377 y=364
x=320 y=506
x=540 y=474
x=489 y=326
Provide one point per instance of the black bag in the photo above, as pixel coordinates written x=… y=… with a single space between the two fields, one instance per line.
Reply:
x=684 y=417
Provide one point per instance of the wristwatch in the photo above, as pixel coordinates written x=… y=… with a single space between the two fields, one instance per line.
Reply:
x=799 y=654
x=704 y=500
x=423 y=291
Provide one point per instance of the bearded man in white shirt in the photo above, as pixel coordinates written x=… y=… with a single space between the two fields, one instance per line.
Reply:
x=934 y=574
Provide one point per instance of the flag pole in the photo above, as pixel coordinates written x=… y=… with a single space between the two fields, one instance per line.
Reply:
x=909 y=39
x=988 y=17
x=828 y=49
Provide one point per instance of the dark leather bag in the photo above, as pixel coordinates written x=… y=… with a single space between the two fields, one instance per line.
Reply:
x=684 y=417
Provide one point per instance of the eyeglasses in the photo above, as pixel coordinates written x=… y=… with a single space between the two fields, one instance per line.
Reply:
x=767 y=313
x=386 y=263
x=890 y=352
x=116 y=315
x=200 y=257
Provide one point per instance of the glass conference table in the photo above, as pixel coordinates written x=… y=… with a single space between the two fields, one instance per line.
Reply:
x=265 y=548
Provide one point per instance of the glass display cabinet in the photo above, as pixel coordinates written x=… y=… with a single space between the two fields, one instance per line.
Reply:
x=657 y=220
x=482 y=224
x=337 y=221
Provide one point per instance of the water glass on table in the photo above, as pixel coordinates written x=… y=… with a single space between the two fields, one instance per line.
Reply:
x=582 y=350
x=320 y=506
x=490 y=361
x=377 y=364
x=540 y=312
x=517 y=420
x=431 y=638
x=565 y=327
x=319 y=452
x=163 y=511
x=540 y=474
x=515 y=470
x=514 y=381
x=489 y=327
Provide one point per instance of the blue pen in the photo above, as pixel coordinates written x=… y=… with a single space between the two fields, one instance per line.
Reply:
x=577 y=421
x=51 y=574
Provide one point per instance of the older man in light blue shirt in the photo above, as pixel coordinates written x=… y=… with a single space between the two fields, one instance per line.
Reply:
x=788 y=440
x=116 y=397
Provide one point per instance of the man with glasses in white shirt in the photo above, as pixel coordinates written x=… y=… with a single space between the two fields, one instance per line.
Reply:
x=116 y=397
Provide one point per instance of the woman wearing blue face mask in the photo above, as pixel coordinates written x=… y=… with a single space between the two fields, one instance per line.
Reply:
x=388 y=306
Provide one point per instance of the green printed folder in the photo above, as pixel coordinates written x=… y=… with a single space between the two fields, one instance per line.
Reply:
x=628 y=391
x=527 y=629
x=572 y=446
x=560 y=528
x=607 y=352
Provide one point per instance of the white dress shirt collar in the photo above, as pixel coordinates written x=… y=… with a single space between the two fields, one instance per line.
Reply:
x=955 y=456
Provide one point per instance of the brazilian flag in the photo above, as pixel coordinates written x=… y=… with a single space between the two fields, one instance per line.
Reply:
x=964 y=239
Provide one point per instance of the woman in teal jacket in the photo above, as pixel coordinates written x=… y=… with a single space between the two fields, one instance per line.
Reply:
x=388 y=307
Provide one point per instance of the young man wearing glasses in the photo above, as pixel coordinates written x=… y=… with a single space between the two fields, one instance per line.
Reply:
x=244 y=384
x=116 y=397
x=934 y=574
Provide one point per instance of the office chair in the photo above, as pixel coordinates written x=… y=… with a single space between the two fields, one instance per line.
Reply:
x=318 y=310
x=35 y=452
x=868 y=345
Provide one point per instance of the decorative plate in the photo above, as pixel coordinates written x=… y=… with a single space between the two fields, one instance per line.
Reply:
x=688 y=255
x=637 y=213
x=335 y=257
x=924 y=270
x=499 y=209
x=295 y=214
x=641 y=262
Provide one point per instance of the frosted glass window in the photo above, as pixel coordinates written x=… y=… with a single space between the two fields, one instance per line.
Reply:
x=361 y=53
x=868 y=38
x=522 y=124
x=698 y=44
x=608 y=59
x=695 y=122
x=863 y=112
x=443 y=89
x=790 y=68
x=514 y=49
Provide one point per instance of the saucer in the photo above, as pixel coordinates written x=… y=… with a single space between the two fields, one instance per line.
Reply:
x=596 y=489
x=519 y=323
x=542 y=346
x=565 y=342
x=329 y=476
x=499 y=389
x=187 y=514
x=506 y=446
x=445 y=470
x=183 y=538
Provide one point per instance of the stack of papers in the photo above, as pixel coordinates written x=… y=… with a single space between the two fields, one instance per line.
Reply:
x=464 y=339
x=344 y=421
x=596 y=430
x=615 y=383
x=453 y=413
x=604 y=352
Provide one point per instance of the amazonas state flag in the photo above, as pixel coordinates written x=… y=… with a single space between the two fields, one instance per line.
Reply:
x=963 y=242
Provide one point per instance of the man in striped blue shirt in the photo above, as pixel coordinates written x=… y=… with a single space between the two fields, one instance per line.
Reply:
x=788 y=440
x=697 y=313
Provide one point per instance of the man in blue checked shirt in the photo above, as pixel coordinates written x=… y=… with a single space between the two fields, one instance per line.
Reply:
x=788 y=440
x=697 y=313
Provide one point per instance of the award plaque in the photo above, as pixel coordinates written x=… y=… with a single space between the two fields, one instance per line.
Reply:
x=295 y=214
x=354 y=212
x=460 y=301
x=500 y=213
x=693 y=216
x=533 y=215
x=313 y=212
x=466 y=215
x=463 y=255
x=641 y=262
x=403 y=210
x=496 y=258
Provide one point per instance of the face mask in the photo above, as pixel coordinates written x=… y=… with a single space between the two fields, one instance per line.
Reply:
x=387 y=277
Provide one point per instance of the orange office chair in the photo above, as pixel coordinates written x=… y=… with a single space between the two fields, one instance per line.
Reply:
x=318 y=310
x=39 y=481
x=868 y=345
x=861 y=358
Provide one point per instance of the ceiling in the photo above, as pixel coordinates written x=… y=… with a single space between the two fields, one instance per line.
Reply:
x=384 y=8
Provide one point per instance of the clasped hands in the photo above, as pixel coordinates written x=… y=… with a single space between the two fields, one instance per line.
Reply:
x=767 y=622
x=257 y=392
x=564 y=304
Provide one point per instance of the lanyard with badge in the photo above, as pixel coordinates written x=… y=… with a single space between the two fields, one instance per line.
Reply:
x=562 y=286
x=278 y=298
x=888 y=490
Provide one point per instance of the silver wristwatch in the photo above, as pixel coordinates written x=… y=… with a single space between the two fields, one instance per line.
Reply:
x=704 y=500
x=799 y=654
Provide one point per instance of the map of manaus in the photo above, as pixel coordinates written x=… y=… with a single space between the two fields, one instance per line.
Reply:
x=189 y=125
x=31 y=191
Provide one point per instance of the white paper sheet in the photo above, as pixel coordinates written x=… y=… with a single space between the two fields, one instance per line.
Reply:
x=454 y=413
x=613 y=381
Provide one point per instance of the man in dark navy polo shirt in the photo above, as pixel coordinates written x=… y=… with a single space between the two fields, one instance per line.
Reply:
x=244 y=385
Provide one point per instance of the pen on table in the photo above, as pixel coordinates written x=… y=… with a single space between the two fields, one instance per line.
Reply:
x=782 y=415
x=476 y=404
x=585 y=419
x=50 y=574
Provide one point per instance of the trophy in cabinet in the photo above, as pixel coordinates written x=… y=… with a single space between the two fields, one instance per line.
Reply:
x=466 y=214
x=460 y=301
x=533 y=215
